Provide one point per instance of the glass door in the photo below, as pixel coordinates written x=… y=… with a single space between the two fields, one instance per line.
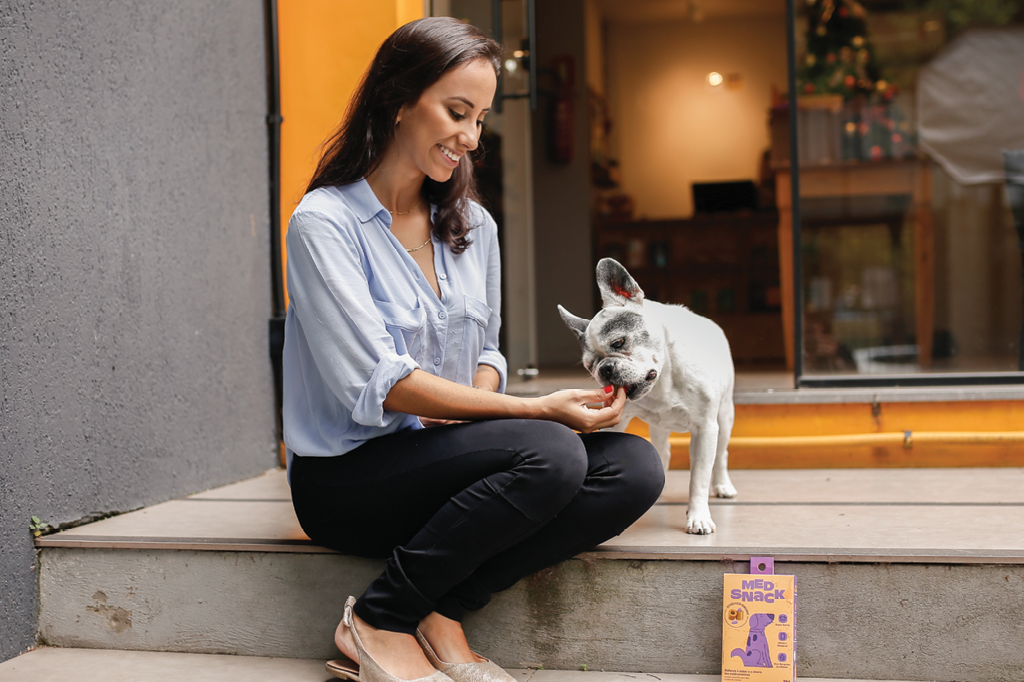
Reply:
x=906 y=265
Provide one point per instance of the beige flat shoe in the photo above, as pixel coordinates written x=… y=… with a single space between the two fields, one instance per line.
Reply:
x=368 y=670
x=484 y=670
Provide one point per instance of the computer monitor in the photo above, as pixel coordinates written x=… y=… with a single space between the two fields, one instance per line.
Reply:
x=733 y=195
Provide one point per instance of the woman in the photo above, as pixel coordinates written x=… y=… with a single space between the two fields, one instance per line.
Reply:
x=394 y=277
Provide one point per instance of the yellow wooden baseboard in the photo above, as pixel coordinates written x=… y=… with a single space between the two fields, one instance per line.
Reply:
x=859 y=435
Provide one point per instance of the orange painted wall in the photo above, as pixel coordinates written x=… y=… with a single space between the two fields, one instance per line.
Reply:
x=325 y=47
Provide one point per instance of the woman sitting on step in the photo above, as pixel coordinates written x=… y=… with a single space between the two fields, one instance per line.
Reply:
x=401 y=443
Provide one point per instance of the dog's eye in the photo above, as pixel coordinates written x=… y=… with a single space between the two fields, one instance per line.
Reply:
x=617 y=345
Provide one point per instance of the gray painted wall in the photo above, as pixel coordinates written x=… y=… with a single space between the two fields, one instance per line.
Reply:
x=134 y=264
x=562 y=195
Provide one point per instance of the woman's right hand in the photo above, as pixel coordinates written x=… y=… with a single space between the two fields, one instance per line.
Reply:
x=569 y=407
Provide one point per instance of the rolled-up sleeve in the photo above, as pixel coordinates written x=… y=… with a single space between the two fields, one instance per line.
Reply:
x=354 y=353
x=490 y=355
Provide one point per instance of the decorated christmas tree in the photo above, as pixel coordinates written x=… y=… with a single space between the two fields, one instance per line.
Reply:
x=840 y=61
x=839 y=58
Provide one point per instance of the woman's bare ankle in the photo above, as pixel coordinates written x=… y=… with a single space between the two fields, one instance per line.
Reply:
x=345 y=642
x=395 y=652
x=447 y=639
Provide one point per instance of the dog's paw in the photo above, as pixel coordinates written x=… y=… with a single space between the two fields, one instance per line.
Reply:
x=723 y=490
x=699 y=523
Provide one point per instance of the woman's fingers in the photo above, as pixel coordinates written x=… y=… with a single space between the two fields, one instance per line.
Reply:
x=586 y=410
x=618 y=396
x=597 y=396
x=609 y=414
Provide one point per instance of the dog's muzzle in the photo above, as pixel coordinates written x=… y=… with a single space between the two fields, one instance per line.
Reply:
x=607 y=371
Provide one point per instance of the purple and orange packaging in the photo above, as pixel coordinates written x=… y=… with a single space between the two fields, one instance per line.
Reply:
x=759 y=625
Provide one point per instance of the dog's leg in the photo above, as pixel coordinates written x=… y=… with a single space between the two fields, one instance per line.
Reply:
x=721 y=484
x=659 y=439
x=703 y=441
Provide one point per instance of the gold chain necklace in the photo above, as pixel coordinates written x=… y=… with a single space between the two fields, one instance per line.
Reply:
x=406 y=212
x=418 y=247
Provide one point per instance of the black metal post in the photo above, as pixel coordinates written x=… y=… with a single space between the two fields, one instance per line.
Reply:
x=274 y=120
x=496 y=29
x=794 y=175
x=531 y=25
x=1014 y=162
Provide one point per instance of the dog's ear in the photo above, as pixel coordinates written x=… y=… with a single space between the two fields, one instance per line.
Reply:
x=616 y=285
x=577 y=324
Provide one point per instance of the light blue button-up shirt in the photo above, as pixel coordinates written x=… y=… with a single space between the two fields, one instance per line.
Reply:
x=362 y=316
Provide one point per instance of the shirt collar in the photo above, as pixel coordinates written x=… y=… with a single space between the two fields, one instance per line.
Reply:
x=365 y=204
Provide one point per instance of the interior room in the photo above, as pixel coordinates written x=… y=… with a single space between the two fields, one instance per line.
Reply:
x=686 y=130
x=682 y=194
x=661 y=138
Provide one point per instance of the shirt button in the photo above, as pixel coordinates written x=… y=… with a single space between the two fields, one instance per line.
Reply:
x=437 y=361
x=442 y=276
x=441 y=315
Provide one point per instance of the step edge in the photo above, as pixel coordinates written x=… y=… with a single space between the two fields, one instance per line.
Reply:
x=624 y=553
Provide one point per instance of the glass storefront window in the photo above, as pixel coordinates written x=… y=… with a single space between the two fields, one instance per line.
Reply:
x=910 y=120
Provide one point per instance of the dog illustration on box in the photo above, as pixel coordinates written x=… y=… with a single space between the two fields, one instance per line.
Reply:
x=756 y=655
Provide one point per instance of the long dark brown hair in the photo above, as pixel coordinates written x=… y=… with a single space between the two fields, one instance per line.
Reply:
x=411 y=60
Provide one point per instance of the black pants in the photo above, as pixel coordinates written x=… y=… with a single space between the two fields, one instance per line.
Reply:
x=466 y=510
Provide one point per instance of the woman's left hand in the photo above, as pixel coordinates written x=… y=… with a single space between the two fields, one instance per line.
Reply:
x=429 y=423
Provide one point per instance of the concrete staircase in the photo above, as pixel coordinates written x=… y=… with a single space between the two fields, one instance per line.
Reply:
x=903 y=575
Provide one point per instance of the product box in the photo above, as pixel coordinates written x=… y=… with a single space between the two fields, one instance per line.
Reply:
x=759 y=625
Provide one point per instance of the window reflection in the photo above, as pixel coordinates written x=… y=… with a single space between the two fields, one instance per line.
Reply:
x=910 y=257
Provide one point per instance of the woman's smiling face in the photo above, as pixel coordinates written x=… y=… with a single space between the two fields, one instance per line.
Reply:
x=436 y=131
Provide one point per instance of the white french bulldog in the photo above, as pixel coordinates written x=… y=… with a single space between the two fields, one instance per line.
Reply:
x=677 y=371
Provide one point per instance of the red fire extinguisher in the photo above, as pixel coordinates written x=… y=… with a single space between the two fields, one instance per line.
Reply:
x=560 y=123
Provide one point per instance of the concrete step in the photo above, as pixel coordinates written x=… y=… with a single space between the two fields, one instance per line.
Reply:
x=98 y=665
x=905 y=574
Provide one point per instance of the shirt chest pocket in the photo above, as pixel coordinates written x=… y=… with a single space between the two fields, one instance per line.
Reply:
x=478 y=315
x=405 y=326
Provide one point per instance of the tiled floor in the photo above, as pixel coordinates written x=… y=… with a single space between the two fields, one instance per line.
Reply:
x=97 y=665
x=901 y=515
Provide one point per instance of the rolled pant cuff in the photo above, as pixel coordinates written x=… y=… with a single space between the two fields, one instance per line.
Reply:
x=392 y=602
x=449 y=607
x=469 y=595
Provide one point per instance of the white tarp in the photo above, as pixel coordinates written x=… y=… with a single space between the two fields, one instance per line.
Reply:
x=970 y=101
